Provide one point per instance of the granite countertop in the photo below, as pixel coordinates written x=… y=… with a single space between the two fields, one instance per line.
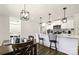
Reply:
x=63 y=36
x=69 y=36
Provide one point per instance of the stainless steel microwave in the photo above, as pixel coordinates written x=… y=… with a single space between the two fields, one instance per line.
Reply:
x=57 y=27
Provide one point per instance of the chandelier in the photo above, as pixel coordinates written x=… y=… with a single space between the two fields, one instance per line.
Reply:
x=64 y=20
x=24 y=14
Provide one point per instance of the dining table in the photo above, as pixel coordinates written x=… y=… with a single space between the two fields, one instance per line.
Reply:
x=7 y=49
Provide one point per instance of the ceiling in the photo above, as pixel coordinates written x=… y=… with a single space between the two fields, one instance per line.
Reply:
x=37 y=10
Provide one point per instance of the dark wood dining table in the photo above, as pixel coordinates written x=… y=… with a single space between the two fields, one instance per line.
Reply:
x=7 y=49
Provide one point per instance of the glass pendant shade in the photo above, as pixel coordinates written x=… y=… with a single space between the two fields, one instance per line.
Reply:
x=24 y=15
x=49 y=22
x=64 y=20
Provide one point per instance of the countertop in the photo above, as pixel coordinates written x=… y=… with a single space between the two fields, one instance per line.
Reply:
x=69 y=36
x=63 y=36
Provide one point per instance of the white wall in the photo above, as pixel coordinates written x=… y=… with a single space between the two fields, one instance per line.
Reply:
x=15 y=26
x=29 y=28
x=4 y=23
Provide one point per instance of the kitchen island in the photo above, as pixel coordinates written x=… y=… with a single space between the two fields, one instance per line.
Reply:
x=68 y=44
x=65 y=43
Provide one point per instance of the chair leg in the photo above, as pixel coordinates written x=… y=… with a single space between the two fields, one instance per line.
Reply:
x=39 y=43
x=55 y=48
x=43 y=42
x=31 y=51
x=50 y=45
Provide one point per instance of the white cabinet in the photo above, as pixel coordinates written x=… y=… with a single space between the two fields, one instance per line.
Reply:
x=68 y=45
x=68 y=25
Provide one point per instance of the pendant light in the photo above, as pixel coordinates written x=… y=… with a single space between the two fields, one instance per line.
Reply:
x=64 y=20
x=24 y=14
x=40 y=25
x=40 y=21
x=49 y=22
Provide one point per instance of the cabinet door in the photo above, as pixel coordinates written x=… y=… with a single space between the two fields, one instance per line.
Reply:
x=69 y=24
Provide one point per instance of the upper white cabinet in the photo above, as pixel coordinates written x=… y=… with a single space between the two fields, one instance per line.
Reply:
x=68 y=25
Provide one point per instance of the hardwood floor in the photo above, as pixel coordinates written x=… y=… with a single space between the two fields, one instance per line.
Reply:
x=42 y=50
x=78 y=50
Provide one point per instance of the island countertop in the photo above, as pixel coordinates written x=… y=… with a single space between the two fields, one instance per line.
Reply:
x=62 y=36
x=69 y=36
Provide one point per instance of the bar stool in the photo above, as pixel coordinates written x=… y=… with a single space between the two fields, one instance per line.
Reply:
x=41 y=39
x=30 y=37
x=53 y=39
